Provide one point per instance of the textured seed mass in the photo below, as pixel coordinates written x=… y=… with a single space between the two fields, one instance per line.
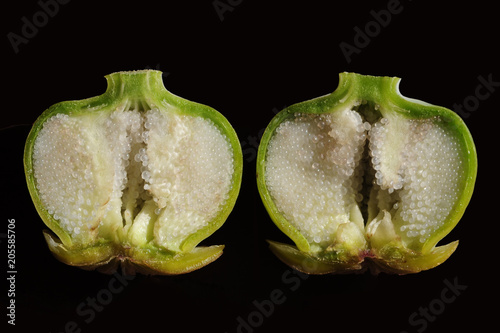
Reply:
x=319 y=166
x=92 y=170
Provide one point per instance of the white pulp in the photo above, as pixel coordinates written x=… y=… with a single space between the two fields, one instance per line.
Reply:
x=163 y=174
x=321 y=167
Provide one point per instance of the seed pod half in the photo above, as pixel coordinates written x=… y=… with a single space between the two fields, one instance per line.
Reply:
x=136 y=176
x=365 y=177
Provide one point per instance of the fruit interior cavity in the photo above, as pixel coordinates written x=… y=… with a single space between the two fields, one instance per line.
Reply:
x=154 y=175
x=361 y=165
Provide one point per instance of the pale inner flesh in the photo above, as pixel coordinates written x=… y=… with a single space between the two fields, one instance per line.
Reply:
x=330 y=169
x=153 y=176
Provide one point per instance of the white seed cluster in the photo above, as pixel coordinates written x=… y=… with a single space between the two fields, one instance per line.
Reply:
x=314 y=172
x=432 y=178
x=383 y=151
x=122 y=138
x=311 y=171
x=91 y=169
x=120 y=134
x=190 y=180
x=64 y=172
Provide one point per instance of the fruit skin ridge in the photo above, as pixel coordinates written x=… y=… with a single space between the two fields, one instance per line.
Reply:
x=139 y=90
x=386 y=252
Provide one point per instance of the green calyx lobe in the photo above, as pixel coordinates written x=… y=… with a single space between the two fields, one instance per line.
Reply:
x=136 y=176
x=365 y=177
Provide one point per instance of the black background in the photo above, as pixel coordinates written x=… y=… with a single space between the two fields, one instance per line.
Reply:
x=263 y=56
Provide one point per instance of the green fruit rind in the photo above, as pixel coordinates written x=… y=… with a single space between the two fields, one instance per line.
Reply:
x=319 y=264
x=288 y=229
x=106 y=257
x=169 y=263
x=95 y=255
x=399 y=260
x=390 y=259
x=110 y=246
x=384 y=251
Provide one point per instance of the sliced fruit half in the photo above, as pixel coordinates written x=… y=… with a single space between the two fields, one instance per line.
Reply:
x=136 y=176
x=365 y=177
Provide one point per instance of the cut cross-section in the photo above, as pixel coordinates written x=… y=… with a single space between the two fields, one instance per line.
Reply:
x=140 y=173
x=88 y=173
x=365 y=173
x=312 y=171
x=315 y=169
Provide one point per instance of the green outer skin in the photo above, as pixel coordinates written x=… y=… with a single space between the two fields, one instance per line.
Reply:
x=311 y=263
x=106 y=257
x=141 y=89
x=383 y=91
